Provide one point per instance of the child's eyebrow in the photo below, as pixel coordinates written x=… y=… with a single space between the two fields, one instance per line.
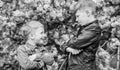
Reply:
x=42 y=32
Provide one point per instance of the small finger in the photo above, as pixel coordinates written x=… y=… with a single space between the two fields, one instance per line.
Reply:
x=79 y=51
x=75 y=52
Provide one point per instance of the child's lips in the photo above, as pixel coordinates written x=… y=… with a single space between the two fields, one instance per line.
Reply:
x=44 y=38
x=45 y=41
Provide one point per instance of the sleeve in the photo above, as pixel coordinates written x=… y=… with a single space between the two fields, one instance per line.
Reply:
x=63 y=48
x=24 y=61
x=85 y=39
x=88 y=36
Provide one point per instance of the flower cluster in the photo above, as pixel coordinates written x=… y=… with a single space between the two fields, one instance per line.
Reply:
x=62 y=20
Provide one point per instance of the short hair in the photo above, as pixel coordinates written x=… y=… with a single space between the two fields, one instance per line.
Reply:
x=31 y=26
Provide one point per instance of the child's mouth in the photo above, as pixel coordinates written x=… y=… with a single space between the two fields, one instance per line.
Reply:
x=45 y=41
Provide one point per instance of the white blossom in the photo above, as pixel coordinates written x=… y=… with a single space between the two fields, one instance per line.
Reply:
x=98 y=1
x=18 y=13
x=1 y=3
x=28 y=1
x=3 y=18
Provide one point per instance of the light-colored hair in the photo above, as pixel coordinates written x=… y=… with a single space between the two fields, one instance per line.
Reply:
x=31 y=26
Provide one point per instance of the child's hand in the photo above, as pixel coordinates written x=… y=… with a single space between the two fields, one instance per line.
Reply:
x=54 y=66
x=35 y=57
x=73 y=51
x=40 y=64
x=32 y=57
x=48 y=58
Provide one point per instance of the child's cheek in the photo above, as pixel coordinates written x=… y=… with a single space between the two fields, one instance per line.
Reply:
x=38 y=36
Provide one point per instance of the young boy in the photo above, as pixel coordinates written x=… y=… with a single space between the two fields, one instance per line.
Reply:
x=28 y=53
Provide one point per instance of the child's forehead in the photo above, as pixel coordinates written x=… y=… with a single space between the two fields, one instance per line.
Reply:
x=33 y=26
x=39 y=30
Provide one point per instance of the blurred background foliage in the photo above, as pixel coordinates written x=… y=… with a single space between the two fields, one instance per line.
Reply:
x=60 y=22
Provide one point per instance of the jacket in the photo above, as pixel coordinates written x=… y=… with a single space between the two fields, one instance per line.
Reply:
x=88 y=41
x=23 y=53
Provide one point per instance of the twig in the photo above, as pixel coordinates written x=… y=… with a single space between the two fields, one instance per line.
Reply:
x=118 y=58
x=63 y=64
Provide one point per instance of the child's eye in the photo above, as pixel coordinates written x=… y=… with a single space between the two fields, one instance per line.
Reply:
x=41 y=32
x=77 y=15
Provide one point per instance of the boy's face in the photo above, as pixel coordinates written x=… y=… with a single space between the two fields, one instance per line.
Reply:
x=40 y=36
x=84 y=16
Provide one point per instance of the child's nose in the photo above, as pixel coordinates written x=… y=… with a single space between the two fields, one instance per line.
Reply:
x=77 y=18
x=45 y=35
x=45 y=38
